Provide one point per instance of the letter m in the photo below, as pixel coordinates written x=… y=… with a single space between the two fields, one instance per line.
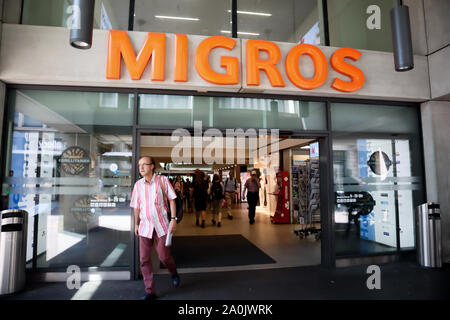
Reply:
x=119 y=45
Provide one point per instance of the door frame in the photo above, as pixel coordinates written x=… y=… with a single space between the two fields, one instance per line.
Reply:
x=328 y=257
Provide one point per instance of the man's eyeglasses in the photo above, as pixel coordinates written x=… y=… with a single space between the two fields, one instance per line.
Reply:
x=144 y=164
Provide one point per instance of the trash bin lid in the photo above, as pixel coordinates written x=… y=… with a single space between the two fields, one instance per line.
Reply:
x=433 y=205
x=13 y=213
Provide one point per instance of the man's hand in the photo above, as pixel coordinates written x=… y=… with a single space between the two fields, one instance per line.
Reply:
x=172 y=226
x=136 y=221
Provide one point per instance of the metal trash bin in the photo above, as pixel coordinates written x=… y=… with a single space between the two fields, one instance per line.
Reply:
x=429 y=252
x=13 y=241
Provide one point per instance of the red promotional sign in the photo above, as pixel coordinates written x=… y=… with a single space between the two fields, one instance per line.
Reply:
x=282 y=212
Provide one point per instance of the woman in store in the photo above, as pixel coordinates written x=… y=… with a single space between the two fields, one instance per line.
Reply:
x=200 y=194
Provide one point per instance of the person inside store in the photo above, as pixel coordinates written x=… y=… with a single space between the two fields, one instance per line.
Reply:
x=252 y=185
x=216 y=190
x=179 y=183
x=209 y=199
x=187 y=194
x=200 y=195
x=151 y=223
x=231 y=188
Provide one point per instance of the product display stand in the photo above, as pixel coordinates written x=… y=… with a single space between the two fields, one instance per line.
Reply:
x=308 y=199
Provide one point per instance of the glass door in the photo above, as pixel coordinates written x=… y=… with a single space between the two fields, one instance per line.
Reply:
x=68 y=165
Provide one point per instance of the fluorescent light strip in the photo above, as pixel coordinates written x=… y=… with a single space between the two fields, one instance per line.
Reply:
x=177 y=18
x=239 y=32
x=254 y=13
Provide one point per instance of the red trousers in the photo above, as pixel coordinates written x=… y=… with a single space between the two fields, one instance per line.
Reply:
x=146 y=245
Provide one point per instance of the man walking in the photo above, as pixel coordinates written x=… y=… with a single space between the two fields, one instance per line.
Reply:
x=151 y=223
x=230 y=190
x=252 y=185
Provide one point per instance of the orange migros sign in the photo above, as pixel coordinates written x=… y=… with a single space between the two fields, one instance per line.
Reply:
x=154 y=50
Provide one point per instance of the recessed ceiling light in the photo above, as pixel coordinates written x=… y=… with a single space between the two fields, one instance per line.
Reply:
x=177 y=18
x=241 y=32
x=254 y=13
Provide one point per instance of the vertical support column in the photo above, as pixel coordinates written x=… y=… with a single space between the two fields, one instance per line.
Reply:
x=327 y=202
x=134 y=263
x=397 y=210
x=131 y=16
x=234 y=20
x=328 y=252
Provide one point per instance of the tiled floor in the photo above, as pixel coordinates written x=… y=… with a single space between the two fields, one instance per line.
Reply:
x=276 y=240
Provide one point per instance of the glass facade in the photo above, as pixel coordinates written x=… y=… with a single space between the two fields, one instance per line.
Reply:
x=108 y=14
x=371 y=19
x=360 y=24
x=223 y=112
x=68 y=164
x=295 y=21
x=201 y=17
x=377 y=177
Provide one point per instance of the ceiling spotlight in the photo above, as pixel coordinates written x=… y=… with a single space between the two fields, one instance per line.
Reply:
x=401 y=38
x=82 y=24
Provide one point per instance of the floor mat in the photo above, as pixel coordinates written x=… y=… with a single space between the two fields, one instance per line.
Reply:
x=216 y=251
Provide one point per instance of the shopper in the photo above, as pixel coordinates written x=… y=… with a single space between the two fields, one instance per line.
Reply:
x=187 y=194
x=209 y=199
x=252 y=185
x=200 y=194
x=231 y=188
x=180 y=182
x=216 y=191
x=151 y=223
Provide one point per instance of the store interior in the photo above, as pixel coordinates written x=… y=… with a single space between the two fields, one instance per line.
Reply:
x=286 y=232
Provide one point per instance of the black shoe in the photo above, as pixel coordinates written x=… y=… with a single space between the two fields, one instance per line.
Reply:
x=203 y=223
x=230 y=217
x=252 y=221
x=176 y=280
x=219 y=224
x=149 y=297
x=213 y=222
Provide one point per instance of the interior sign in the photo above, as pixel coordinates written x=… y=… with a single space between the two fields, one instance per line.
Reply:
x=154 y=49
x=74 y=160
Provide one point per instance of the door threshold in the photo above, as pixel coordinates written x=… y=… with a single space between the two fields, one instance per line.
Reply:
x=237 y=268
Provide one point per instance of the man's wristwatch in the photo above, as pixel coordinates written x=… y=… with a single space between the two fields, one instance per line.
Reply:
x=174 y=218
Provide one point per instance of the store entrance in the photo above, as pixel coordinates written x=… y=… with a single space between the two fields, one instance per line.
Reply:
x=286 y=228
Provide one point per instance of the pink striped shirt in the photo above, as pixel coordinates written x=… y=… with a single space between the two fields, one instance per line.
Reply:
x=148 y=197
